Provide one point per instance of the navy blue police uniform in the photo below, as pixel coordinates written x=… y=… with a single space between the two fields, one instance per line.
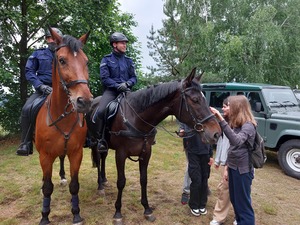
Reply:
x=38 y=72
x=115 y=69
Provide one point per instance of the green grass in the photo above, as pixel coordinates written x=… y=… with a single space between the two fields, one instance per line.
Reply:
x=274 y=195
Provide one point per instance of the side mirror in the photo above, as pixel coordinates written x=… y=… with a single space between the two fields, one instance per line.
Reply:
x=257 y=106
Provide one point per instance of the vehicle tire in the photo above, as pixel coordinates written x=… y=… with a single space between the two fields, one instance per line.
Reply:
x=289 y=158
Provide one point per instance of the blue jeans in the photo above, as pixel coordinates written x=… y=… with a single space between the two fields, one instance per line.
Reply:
x=240 y=196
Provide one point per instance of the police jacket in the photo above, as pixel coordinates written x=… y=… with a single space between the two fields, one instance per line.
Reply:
x=116 y=69
x=38 y=68
x=193 y=142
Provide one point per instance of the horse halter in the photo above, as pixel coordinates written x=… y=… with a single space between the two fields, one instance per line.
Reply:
x=64 y=84
x=198 y=124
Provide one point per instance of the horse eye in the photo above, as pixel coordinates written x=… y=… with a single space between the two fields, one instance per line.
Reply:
x=195 y=99
x=62 y=61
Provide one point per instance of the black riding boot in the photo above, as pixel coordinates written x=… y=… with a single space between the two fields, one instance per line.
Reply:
x=26 y=146
x=101 y=143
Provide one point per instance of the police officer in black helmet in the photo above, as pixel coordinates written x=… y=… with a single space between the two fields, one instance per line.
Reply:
x=38 y=72
x=117 y=74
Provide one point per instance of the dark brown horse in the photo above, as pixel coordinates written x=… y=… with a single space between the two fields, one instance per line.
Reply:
x=132 y=131
x=60 y=127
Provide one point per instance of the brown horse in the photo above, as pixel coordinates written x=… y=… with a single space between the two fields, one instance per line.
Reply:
x=60 y=127
x=132 y=131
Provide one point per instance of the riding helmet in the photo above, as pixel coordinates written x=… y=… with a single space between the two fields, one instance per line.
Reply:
x=117 y=37
x=48 y=34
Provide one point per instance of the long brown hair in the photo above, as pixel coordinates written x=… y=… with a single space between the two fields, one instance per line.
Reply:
x=240 y=111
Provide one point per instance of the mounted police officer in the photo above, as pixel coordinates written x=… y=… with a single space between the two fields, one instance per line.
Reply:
x=38 y=72
x=117 y=74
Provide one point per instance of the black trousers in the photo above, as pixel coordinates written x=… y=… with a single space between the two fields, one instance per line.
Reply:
x=198 y=171
x=108 y=95
x=28 y=115
x=96 y=127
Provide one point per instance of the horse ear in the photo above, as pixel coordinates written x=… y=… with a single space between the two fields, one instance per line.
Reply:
x=187 y=81
x=84 y=38
x=55 y=36
x=199 y=77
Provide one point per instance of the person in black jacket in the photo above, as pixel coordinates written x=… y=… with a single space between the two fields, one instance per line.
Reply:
x=199 y=157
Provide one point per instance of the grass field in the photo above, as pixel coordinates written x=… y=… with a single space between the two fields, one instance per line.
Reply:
x=275 y=196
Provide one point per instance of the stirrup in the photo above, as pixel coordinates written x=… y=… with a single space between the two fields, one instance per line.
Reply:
x=102 y=146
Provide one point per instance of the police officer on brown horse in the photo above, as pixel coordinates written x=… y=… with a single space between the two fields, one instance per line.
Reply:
x=38 y=72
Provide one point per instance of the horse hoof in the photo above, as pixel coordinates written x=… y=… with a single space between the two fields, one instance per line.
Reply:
x=118 y=221
x=79 y=223
x=63 y=182
x=77 y=220
x=44 y=221
x=150 y=217
x=106 y=184
x=101 y=193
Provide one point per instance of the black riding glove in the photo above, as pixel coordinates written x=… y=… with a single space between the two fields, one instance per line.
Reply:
x=45 y=89
x=128 y=84
x=123 y=87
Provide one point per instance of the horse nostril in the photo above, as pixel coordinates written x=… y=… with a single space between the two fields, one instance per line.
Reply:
x=80 y=101
x=216 y=136
x=83 y=105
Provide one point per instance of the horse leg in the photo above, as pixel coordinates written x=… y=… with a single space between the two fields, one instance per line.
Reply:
x=103 y=172
x=75 y=161
x=102 y=180
x=100 y=189
x=62 y=174
x=47 y=188
x=96 y=157
x=143 y=166
x=121 y=181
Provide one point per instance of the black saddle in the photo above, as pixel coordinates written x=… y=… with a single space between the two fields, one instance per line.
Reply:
x=35 y=107
x=110 y=110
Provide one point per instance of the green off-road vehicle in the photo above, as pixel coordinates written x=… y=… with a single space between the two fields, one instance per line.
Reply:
x=277 y=112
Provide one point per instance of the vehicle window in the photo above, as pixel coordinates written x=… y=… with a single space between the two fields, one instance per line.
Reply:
x=217 y=97
x=280 y=97
x=253 y=98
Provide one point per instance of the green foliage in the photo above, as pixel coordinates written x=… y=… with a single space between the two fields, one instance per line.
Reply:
x=245 y=41
x=22 y=25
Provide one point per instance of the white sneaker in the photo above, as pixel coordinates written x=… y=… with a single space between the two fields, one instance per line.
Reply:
x=214 y=222
x=234 y=222
x=203 y=211
x=195 y=212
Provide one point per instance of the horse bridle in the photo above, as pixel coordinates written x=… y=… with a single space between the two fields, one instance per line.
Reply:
x=66 y=87
x=64 y=84
x=198 y=124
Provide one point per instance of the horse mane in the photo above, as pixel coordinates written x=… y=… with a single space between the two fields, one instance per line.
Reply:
x=74 y=44
x=144 y=98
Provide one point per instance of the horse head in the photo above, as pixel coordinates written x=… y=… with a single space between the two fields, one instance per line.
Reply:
x=71 y=71
x=194 y=110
